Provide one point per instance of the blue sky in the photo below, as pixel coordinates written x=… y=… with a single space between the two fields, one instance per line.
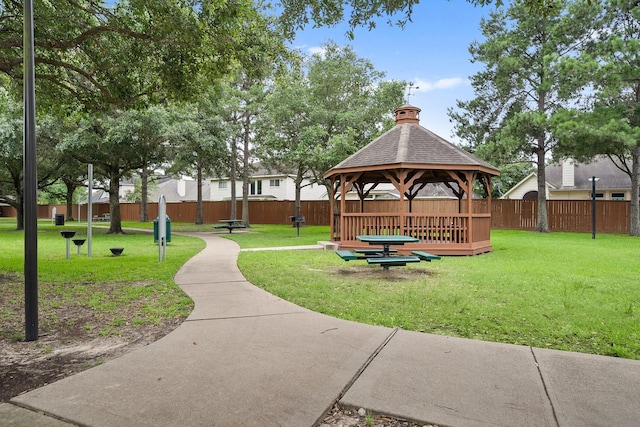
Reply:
x=432 y=52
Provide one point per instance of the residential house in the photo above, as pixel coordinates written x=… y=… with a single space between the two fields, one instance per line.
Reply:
x=571 y=180
x=267 y=185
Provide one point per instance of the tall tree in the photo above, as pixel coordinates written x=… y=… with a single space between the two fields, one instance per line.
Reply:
x=198 y=139
x=149 y=128
x=117 y=144
x=262 y=51
x=523 y=85
x=322 y=111
x=11 y=154
x=69 y=173
x=610 y=125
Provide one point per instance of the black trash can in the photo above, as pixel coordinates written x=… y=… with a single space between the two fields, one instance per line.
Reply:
x=59 y=219
x=156 y=229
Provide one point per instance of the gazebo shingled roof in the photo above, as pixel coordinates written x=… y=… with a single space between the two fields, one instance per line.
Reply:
x=410 y=143
x=411 y=156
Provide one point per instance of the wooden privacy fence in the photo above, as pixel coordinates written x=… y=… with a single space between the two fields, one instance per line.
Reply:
x=612 y=216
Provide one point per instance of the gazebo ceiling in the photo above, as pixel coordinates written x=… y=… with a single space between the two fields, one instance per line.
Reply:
x=410 y=146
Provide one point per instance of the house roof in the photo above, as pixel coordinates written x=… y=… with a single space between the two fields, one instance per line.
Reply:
x=258 y=170
x=608 y=174
x=434 y=190
x=409 y=144
x=169 y=188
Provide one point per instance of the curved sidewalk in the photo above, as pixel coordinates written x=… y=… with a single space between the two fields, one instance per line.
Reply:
x=247 y=358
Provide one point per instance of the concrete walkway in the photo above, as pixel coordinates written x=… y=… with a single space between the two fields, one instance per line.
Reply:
x=247 y=358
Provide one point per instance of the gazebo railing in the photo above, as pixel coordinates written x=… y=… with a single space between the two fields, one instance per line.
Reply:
x=448 y=228
x=430 y=228
x=370 y=223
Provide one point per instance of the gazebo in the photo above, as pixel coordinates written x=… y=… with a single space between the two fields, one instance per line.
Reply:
x=411 y=157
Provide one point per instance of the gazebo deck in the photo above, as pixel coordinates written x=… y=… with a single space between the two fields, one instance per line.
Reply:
x=449 y=234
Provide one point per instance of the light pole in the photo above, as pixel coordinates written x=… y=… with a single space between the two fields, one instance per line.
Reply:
x=593 y=180
x=30 y=182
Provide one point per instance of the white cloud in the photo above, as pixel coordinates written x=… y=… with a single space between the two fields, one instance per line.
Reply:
x=420 y=85
x=317 y=50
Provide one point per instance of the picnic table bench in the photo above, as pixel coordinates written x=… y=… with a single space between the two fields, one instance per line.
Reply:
x=362 y=254
x=103 y=217
x=424 y=256
x=393 y=261
x=230 y=224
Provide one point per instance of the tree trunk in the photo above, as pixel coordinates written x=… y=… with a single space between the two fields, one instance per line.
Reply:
x=298 y=192
x=232 y=178
x=144 y=202
x=245 y=167
x=634 y=225
x=115 y=227
x=19 y=212
x=543 y=220
x=69 y=200
x=199 y=192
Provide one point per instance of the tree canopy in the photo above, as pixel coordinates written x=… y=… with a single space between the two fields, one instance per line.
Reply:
x=608 y=121
x=119 y=53
x=524 y=83
x=324 y=109
x=297 y=14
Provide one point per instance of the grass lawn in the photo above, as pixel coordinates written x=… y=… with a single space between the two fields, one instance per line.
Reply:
x=562 y=291
x=558 y=290
x=108 y=285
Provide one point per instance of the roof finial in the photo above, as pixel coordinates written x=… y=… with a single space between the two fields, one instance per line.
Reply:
x=409 y=87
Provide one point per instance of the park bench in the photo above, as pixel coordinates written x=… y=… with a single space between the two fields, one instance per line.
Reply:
x=424 y=256
x=103 y=217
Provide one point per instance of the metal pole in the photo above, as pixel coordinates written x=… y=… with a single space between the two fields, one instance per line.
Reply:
x=162 y=228
x=593 y=207
x=89 y=208
x=30 y=182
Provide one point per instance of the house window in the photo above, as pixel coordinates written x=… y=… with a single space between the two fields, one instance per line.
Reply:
x=222 y=185
x=255 y=188
x=617 y=196
x=274 y=183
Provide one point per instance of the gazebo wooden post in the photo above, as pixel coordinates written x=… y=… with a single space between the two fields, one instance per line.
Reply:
x=489 y=195
x=332 y=198
x=343 y=206
x=403 y=209
x=409 y=184
x=470 y=176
